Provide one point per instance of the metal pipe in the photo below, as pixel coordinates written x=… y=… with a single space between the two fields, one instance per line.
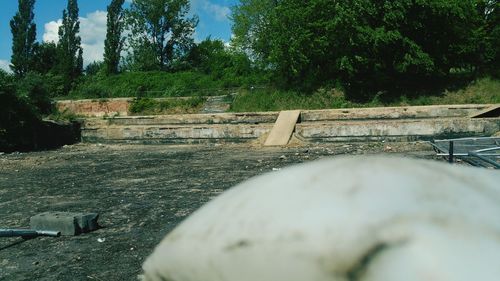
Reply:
x=450 y=151
x=27 y=233
x=495 y=164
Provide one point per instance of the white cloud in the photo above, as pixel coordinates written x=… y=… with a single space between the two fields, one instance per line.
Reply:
x=220 y=13
x=92 y=32
x=51 y=31
x=4 y=65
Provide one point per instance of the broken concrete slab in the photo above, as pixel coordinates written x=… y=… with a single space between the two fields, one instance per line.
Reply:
x=283 y=128
x=490 y=112
x=64 y=222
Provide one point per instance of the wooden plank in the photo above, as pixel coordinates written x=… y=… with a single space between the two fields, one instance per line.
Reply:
x=283 y=128
x=490 y=112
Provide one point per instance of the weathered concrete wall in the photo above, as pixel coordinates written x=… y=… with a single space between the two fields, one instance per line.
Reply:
x=405 y=129
x=406 y=123
x=120 y=106
x=233 y=127
x=218 y=118
x=408 y=112
x=96 y=108
x=176 y=133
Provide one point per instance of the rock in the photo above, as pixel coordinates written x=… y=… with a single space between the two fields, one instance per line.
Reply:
x=354 y=218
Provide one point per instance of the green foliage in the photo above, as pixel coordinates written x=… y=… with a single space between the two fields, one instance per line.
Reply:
x=383 y=48
x=23 y=38
x=113 y=44
x=45 y=58
x=34 y=90
x=482 y=91
x=95 y=68
x=252 y=19
x=70 y=52
x=490 y=9
x=148 y=106
x=212 y=57
x=162 y=84
x=17 y=118
x=276 y=100
x=160 y=33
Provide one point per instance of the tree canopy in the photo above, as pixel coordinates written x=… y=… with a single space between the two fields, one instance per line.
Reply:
x=160 y=32
x=367 y=45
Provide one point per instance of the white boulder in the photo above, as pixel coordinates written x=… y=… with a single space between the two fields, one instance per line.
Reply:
x=355 y=218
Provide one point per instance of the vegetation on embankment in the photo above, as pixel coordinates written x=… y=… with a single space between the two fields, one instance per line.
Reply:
x=156 y=84
x=149 y=106
x=481 y=91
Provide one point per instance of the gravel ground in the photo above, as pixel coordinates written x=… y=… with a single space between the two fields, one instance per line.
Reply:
x=141 y=193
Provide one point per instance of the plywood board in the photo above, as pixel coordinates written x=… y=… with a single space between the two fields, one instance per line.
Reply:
x=283 y=128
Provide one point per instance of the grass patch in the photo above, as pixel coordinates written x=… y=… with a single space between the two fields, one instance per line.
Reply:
x=149 y=106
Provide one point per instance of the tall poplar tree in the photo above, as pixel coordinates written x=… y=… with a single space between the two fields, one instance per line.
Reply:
x=23 y=38
x=113 y=44
x=69 y=45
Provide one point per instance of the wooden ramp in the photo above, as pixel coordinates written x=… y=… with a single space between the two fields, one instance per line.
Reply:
x=283 y=128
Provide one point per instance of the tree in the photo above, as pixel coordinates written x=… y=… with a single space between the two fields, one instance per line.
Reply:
x=94 y=68
x=213 y=57
x=69 y=45
x=490 y=10
x=45 y=58
x=160 y=31
x=23 y=38
x=113 y=44
x=252 y=19
x=368 y=46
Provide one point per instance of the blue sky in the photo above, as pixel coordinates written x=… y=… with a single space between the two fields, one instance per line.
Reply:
x=213 y=15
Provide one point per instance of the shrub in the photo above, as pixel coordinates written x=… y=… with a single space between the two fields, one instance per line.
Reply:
x=149 y=106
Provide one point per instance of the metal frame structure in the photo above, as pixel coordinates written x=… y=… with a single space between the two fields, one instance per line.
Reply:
x=482 y=152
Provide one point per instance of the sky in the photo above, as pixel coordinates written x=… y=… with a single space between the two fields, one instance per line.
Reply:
x=213 y=21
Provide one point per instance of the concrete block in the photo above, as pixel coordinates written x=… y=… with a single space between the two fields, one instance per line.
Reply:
x=66 y=223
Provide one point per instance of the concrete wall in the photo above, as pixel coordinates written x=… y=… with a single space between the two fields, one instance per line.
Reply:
x=404 y=129
x=232 y=127
x=394 y=123
x=408 y=112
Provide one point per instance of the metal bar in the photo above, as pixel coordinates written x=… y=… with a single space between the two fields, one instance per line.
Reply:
x=464 y=139
x=27 y=233
x=467 y=154
x=489 y=161
x=450 y=152
x=487 y=149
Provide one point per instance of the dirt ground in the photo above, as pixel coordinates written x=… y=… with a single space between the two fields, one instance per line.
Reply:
x=141 y=193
